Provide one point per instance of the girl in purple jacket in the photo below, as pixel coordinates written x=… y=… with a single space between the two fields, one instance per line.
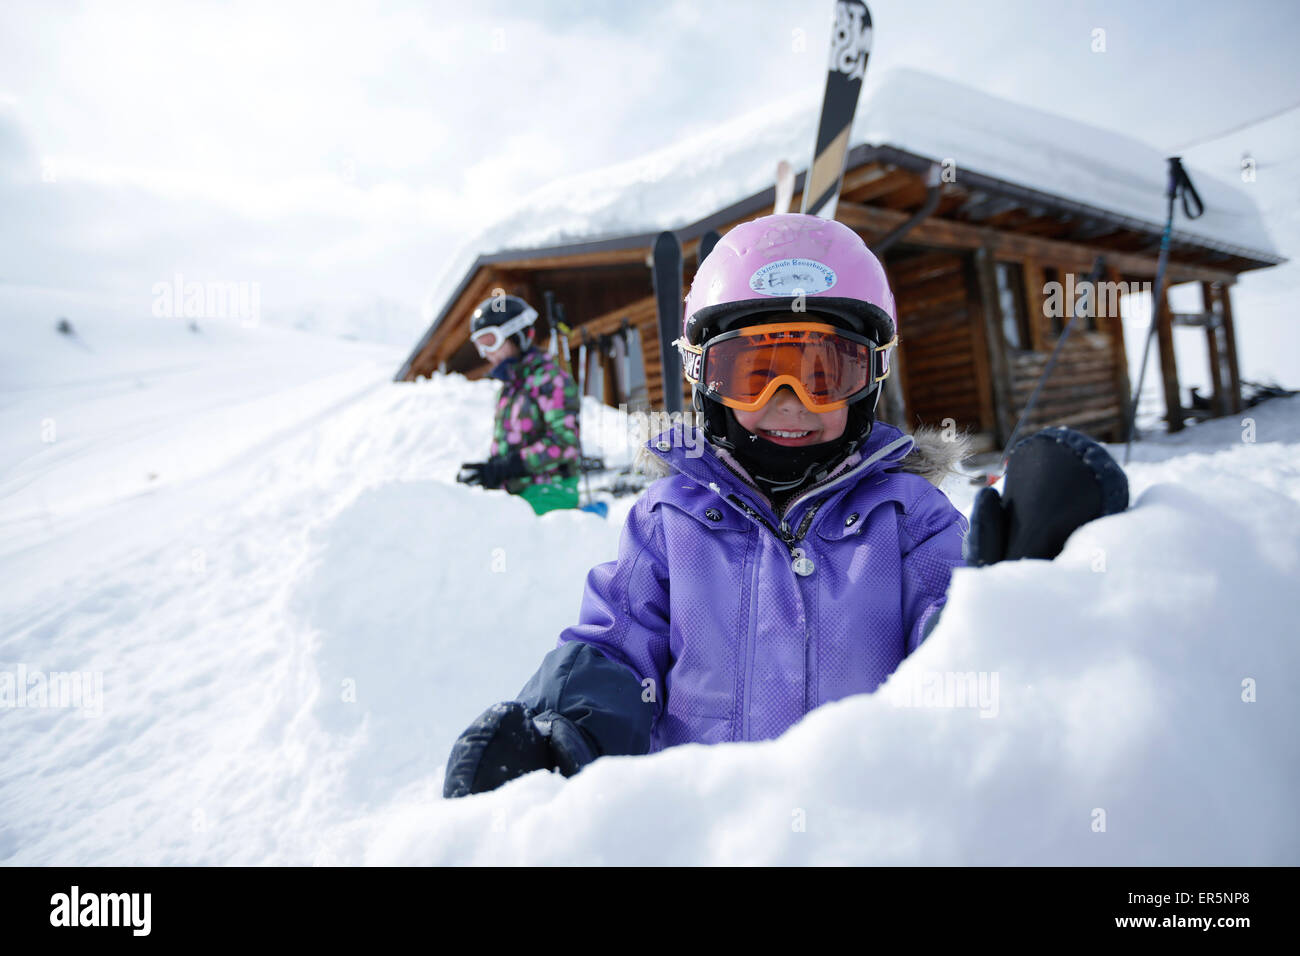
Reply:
x=794 y=557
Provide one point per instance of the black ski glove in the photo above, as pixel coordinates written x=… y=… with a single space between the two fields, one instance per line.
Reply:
x=494 y=472
x=1056 y=481
x=509 y=740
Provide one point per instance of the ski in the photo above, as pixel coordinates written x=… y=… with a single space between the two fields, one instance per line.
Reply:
x=850 y=48
x=566 y=349
x=626 y=356
x=784 y=188
x=582 y=365
x=707 y=242
x=559 y=332
x=666 y=269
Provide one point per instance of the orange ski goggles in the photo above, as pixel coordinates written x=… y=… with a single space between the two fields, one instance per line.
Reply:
x=827 y=367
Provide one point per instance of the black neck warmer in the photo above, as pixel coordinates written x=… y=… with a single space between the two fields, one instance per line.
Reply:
x=780 y=469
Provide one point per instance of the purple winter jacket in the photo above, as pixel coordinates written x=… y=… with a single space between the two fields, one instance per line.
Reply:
x=705 y=606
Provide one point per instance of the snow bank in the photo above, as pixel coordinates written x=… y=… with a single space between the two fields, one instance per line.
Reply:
x=291 y=636
x=1120 y=672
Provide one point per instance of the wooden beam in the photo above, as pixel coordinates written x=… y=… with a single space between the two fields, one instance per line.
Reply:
x=1217 y=403
x=861 y=177
x=1168 y=365
x=1009 y=245
x=1041 y=332
x=638 y=312
x=1113 y=322
x=604 y=257
x=1230 y=347
x=985 y=280
x=980 y=349
x=1195 y=320
x=982 y=207
x=879 y=186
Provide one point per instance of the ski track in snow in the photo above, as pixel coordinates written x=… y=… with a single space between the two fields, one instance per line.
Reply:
x=293 y=628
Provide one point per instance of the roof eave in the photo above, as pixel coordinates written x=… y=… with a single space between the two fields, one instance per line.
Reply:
x=859 y=155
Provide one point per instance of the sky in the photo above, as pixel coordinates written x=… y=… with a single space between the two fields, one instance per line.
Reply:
x=339 y=154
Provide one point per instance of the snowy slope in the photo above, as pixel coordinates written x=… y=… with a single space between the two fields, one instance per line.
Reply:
x=292 y=628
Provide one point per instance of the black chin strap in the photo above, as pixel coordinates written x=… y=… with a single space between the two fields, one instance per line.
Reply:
x=779 y=468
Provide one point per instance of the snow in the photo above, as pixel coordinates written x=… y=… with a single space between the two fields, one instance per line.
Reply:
x=938 y=119
x=256 y=539
x=904 y=108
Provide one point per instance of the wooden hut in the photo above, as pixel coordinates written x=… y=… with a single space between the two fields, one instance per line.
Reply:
x=973 y=252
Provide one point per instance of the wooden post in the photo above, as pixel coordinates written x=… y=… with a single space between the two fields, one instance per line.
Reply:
x=1112 y=321
x=1218 y=406
x=979 y=347
x=1041 y=331
x=985 y=279
x=1230 y=346
x=1168 y=366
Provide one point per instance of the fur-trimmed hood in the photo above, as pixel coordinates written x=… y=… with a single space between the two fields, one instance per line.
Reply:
x=934 y=456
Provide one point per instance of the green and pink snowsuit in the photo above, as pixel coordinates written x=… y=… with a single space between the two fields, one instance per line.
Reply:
x=537 y=416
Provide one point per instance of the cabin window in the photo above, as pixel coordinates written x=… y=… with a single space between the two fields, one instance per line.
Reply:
x=1011 y=302
x=1071 y=301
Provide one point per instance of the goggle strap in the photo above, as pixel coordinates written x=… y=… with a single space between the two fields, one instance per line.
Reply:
x=507 y=329
x=880 y=360
x=692 y=360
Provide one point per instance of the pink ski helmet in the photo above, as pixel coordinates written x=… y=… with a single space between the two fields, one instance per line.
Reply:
x=759 y=267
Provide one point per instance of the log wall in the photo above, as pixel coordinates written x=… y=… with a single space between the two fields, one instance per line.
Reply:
x=937 y=341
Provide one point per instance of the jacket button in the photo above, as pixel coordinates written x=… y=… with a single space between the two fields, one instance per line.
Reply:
x=848 y=522
x=713 y=514
x=664 y=446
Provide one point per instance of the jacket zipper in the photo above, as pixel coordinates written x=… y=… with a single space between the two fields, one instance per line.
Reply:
x=790 y=539
x=831 y=482
x=751 y=637
x=784 y=534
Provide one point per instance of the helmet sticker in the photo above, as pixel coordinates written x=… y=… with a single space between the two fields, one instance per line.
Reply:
x=792 y=277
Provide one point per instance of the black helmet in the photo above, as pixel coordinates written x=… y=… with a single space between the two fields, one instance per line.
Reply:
x=499 y=318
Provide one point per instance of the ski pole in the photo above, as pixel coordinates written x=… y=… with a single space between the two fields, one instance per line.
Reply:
x=566 y=360
x=1179 y=183
x=627 y=363
x=582 y=364
x=561 y=323
x=584 y=352
x=549 y=297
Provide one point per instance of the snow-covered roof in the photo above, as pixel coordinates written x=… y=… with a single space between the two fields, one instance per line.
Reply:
x=905 y=109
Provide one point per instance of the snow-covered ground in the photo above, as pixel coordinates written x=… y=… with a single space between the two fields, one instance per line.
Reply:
x=253 y=542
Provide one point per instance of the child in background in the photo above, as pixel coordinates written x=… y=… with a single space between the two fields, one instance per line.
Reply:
x=535 y=450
